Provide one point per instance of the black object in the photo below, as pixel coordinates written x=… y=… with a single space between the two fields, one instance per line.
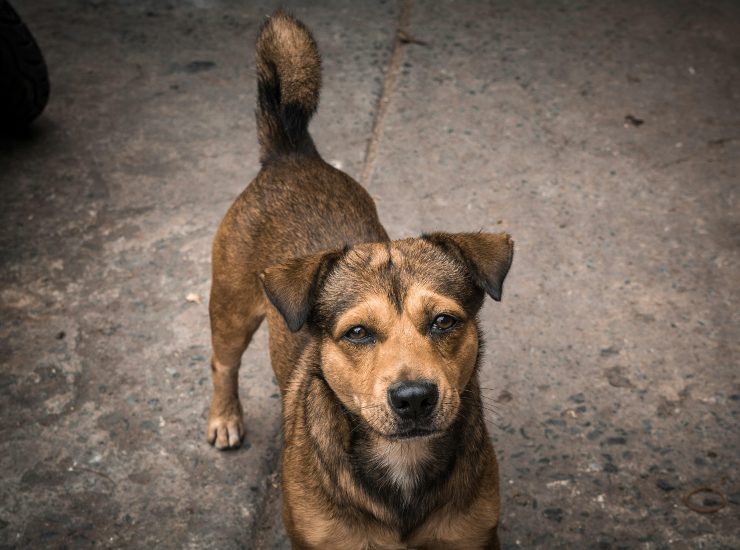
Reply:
x=24 y=81
x=413 y=400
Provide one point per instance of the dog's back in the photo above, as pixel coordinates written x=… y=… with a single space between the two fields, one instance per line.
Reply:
x=333 y=209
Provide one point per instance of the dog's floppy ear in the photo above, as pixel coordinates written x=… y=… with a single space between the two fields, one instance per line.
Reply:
x=487 y=255
x=292 y=286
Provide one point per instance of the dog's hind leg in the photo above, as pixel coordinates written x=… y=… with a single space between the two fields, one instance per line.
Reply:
x=237 y=307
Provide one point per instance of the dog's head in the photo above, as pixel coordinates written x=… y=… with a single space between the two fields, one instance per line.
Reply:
x=396 y=322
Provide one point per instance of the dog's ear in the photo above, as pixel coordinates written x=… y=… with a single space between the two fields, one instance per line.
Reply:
x=487 y=256
x=292 y=286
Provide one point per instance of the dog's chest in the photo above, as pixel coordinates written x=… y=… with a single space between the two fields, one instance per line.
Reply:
x=403 y=463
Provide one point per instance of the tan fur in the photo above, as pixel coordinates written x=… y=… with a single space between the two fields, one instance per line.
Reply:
x=303 y=247
x=402 y=355
x=402 y=459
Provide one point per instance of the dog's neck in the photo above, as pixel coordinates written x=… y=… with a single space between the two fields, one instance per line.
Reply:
x=402 y=463
x=400 y=482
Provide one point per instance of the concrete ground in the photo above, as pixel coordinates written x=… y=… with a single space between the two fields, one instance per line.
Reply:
x=603 y=135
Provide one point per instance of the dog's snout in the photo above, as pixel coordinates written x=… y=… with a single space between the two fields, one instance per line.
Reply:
x=413 y=400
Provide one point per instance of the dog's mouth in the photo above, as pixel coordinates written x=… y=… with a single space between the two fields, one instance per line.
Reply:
x=413 y=433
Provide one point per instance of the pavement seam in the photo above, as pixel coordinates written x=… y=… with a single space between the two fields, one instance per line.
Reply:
x=389 y=85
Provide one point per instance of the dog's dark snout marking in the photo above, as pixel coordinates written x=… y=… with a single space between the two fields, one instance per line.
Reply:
x=413 y=400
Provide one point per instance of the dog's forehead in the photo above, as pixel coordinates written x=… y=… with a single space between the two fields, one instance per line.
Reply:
x=391 y=269
x=409 y=260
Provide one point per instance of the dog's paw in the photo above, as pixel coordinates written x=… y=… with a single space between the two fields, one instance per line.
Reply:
x=226 y=425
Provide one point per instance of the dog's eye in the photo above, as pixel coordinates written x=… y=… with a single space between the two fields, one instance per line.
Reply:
x=443 y=323
x=359 y=335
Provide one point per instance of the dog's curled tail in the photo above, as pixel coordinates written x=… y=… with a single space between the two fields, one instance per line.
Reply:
x=288 y=83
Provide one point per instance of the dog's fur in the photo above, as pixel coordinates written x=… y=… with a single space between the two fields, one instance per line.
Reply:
x=351 y=316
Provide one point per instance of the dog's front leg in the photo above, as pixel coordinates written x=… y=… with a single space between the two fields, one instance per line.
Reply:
x=236 y=309
x=230 y=337
x=225 y=417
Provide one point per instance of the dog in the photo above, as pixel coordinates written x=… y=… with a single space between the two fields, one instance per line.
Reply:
x=375 y=344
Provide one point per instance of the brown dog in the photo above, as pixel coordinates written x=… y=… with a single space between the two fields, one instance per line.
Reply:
x=375 y=343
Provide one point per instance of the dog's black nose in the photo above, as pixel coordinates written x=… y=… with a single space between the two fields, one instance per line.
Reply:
x=413 y=400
